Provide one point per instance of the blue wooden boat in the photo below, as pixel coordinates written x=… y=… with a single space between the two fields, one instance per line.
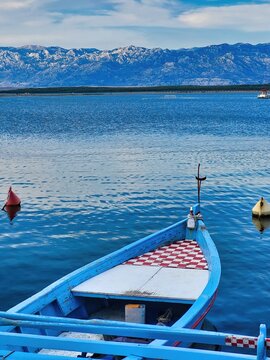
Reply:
x=165 y=283
x=82 y=314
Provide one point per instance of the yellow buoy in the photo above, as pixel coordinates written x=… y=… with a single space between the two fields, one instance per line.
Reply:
x=262 y=208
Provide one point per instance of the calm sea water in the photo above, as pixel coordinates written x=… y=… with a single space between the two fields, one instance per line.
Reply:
x=98 y=172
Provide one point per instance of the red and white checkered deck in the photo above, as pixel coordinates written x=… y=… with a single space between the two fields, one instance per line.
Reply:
x=184 y=254
x=245 y=341
x=241 y=341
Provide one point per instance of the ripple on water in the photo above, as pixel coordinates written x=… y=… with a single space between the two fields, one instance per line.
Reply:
x=96 y=173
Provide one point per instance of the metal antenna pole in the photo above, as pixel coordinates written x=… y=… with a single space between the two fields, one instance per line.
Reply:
x=199 y=183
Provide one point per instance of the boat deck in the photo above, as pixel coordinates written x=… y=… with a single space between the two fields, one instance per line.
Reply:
x=177 y=272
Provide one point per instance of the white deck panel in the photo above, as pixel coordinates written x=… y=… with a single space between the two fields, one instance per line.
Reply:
x=186 y=284
x=147 y=281
x=122 y=279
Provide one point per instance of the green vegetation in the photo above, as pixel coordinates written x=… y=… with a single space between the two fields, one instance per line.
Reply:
x=132 y=89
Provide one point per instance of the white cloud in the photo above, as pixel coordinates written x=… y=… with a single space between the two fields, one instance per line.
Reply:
x=11 y=5
x=146 y=13
x=120 y=25
x=237 y=17
x=70 y=36
x=125 y=22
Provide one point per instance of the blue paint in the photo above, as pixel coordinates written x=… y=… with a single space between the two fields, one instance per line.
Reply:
x=261 y=352
x=59 y=293
x=114 y=348
x=119 y=328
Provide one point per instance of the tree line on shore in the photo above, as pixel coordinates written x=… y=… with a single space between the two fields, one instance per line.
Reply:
x=133 y=89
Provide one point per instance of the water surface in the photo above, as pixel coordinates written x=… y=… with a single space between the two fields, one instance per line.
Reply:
x=98 y=172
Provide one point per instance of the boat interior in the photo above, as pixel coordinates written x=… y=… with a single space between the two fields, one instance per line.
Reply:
x=159 y=287
x=154 y=287
x=154 y=313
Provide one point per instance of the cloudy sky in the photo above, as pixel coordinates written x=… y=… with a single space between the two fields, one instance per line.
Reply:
x=107 y=24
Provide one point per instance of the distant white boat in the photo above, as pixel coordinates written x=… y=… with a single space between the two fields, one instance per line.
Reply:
x=264 y=94
x=170 y=96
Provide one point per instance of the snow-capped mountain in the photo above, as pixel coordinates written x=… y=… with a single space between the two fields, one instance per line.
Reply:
x=38 y=66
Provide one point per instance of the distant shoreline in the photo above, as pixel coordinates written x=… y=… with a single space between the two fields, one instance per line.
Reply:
x=97 y=90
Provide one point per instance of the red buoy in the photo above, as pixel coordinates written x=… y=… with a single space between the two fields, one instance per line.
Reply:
x=12 y=198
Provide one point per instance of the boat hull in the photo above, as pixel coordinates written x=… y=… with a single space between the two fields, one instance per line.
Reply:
x=62 y=300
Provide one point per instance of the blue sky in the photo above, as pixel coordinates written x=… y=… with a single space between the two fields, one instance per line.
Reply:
x=107 y=24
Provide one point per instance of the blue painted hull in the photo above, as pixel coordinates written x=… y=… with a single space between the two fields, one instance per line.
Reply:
x=57 y=301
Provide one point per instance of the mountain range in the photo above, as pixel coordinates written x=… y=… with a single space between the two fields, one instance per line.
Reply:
x=38 y=66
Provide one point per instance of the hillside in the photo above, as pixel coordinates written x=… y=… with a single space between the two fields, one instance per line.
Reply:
x=37 y=66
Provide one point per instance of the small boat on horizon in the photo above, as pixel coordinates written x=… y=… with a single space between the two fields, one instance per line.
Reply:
x=170 y=96
x=264 y=94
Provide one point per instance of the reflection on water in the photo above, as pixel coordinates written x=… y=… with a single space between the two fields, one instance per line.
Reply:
x=98 y=172
x=261 y=223
x=11 y=211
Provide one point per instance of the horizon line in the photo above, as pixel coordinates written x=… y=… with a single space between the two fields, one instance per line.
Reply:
x=37 y=46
